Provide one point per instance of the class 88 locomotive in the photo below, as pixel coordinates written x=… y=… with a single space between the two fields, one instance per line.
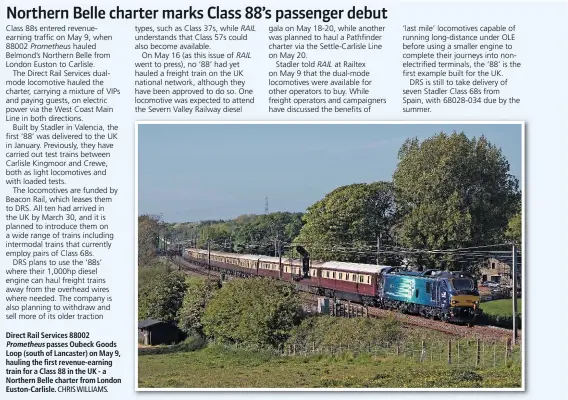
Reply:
x=449 y=296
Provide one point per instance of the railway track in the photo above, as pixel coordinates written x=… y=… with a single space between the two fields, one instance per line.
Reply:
x=192 y=269
x=485 y=332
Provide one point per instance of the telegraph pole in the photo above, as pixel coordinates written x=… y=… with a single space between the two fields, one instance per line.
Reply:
x=165 y=241
x=279 y=259
x=514 y=268
x=209 y=256
x=276 y=245
x=378 y=247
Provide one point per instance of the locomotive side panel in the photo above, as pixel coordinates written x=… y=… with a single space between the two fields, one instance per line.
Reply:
x=410 y=289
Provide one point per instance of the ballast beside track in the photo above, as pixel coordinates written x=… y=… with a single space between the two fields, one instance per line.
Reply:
x=486 y=332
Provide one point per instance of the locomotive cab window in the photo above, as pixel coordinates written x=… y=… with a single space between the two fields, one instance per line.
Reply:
x=428 y=287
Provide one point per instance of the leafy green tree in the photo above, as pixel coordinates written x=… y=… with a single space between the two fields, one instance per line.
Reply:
x=160 y=293
x=255 y=311
x=247 y=233
x=219 y=234
x=345 y=224
x=514 y=230
x=258 y=234
x=198 y=295
x=453 y=192
x=148 y=238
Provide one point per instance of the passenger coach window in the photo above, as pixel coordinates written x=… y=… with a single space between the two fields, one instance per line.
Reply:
x=327 y=274
x=340 y=275
x=354 y=278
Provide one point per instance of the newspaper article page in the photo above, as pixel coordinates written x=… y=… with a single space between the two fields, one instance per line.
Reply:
x=287 y=196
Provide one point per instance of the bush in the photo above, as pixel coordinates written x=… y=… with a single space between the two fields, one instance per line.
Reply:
x=160 y=293
x=330 y=331
x=256 y=311
x=192 y=343
x=502 y=321
x=197 y=296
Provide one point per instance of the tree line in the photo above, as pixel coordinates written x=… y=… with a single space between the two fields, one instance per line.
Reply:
x=448 y=191
x=256 y=312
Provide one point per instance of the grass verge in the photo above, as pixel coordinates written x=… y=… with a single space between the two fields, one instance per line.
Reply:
x=500 y=313
x=219 y=367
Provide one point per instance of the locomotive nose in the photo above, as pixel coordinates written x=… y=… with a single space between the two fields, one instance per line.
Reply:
x=465 y=301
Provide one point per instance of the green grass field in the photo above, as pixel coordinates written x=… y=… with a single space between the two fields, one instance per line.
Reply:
x=218 y=367
x=501 y=307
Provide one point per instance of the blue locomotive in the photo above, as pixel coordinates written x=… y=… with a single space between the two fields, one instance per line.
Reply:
x=449 y=296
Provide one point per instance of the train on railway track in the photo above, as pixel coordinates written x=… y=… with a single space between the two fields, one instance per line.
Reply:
x=169 y=253
x=448 y=296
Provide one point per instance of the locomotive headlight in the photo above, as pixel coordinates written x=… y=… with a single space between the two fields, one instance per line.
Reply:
x=454 y=302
